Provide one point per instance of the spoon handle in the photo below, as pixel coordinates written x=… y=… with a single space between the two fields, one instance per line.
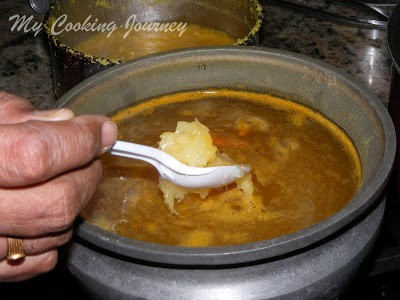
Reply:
x=173 y=170
x=158 y=158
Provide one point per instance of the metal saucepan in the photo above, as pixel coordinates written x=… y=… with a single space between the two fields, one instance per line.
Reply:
x=313 y=263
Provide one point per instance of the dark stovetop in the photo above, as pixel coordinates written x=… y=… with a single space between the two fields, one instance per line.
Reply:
x=380 y=276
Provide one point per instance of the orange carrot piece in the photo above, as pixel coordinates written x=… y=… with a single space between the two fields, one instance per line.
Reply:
x=223 y=142
x=243 y=132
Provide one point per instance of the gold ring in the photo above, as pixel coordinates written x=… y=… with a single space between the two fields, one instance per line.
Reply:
x=16 y=251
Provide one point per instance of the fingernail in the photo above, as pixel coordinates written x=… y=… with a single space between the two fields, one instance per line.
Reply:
x=109 y=133
x=55 y=114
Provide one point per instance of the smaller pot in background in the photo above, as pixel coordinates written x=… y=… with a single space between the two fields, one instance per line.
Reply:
x=240 y=19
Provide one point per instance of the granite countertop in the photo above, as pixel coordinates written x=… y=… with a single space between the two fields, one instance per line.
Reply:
x=25 y=64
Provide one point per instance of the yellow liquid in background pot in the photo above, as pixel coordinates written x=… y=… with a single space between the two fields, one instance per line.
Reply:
x=304 y=169
x=140 y=43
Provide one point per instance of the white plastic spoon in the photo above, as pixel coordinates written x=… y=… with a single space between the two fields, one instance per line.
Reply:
x=173 y=170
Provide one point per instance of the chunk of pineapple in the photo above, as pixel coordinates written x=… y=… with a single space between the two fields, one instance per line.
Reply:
x=191 y=144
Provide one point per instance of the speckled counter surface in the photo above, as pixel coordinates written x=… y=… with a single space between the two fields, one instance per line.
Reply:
x=25 y=65
x=360 y=52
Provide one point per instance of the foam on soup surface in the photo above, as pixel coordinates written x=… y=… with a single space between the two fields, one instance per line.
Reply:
x=304 y=169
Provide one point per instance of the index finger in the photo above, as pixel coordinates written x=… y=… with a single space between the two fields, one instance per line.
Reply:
x=14 y=109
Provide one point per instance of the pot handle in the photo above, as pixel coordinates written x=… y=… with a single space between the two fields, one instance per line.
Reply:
x=39 y=6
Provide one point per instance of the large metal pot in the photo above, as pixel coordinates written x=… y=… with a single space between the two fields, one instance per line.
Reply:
x=241 y=19
x=314 y=263
x=393 y=39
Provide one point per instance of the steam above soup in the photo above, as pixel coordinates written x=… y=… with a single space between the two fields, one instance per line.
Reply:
x=304 y=169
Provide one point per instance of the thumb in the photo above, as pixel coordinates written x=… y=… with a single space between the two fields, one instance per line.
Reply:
x=34 y=151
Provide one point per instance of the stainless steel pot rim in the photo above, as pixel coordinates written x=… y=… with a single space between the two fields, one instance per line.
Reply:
x=262 y=250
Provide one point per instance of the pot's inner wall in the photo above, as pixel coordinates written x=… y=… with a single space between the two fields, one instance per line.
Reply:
x=236 y=17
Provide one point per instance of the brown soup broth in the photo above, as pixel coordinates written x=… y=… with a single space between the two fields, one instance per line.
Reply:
x=124 y=45
x=304 y=168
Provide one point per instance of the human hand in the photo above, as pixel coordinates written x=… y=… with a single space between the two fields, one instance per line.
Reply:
x=48 y=172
